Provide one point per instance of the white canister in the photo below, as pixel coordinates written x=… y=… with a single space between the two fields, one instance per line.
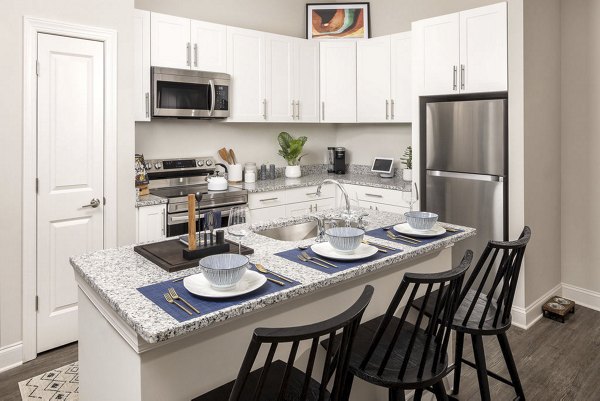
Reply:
x=250 y=176
x=234 y=173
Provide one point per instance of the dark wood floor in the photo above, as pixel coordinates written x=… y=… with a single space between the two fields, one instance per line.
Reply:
x=557 y=362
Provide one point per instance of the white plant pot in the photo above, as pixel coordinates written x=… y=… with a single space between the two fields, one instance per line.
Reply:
x=292 y=171
x=407 y=174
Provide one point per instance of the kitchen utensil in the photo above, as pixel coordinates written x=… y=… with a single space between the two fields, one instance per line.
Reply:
x=223 y=154
x=211 y=225
x=416 y=192
x=344 y=239
x=176 y=297
x=263 y=269
x=402 y=237
x=307 y=256
x=421 y=220
x=192 y=222
x=402 y=240
x=224 y=270
x=303 y=247
x=404 y=228
x=170 y=300
x=302 y=258
x=232 y=155
x=198 y=197
x=380 y=249
x=238 y=223
x=269 y=278
x=325 y=250
x=379 y=245
x=235 y=173
x=217 y=183
x=197 y=284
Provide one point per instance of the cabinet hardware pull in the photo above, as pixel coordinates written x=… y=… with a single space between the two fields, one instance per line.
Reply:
x=293 y=110
x=323 y=111
x=265 y=109
x=462 y=76
x=188 y=54
x=298 y=109
x=374 y=195
x=316 y=207
x=310 y=193
x=147 y=105
x=311 y=208
x=195 y=54
x=454 y=71
x=387 y=113
x=392 y=107
x=268 y=199
x=163 y=222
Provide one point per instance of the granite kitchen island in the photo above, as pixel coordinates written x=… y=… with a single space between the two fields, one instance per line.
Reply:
x=131 y=349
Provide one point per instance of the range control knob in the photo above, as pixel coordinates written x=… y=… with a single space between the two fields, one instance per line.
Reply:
x=158 y=165
x=200 y=163
x=209 y=163
x=148 y=166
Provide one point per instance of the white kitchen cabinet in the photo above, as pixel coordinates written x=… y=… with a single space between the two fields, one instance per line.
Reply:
x=141 y=91
x=307 y=194
x=280 y=78
x=383 y=207
x=401 y=78
x=290 y=202
x=246 y=65
x=307 y=81
x=304 y=208
x=383 y=199
x=151 y=221
x=170 y=41
x=373 y=80
x=209 y=46
x=338 y=81
x=267 y=214
x=463 y=52
x=257 y=200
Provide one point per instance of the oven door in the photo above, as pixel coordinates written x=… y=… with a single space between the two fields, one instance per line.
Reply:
x=177 y=223
x=189 y=94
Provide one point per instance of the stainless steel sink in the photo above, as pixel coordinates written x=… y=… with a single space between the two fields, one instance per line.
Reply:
x=297 y=232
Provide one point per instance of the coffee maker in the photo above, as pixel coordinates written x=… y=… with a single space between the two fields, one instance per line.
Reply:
x=339 y=160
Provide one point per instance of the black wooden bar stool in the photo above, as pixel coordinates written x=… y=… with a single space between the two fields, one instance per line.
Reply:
x=280 y=380
x=485 y=305
x=390 y=351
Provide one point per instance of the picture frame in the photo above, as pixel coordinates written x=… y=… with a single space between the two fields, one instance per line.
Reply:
x=338 y=20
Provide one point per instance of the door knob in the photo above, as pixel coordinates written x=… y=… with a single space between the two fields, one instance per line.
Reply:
x=94 y=203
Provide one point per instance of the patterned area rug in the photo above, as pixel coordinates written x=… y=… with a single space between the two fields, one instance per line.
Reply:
x=60 y=384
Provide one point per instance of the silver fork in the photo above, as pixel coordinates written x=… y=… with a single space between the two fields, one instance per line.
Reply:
x=402 y=237
x=176 y=297
x=302 y=258
x=307 y=256
x=170 y=300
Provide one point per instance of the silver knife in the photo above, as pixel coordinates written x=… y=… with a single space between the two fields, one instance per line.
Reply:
x=211 y=225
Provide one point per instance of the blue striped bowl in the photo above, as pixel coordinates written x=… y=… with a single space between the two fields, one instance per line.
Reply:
x=345 y=239
x=421 y=220
x=223 y=271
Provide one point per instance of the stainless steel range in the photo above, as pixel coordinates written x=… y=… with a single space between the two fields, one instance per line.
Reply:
x=174 y=179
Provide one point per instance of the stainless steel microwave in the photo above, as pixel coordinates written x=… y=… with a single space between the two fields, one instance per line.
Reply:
x=189 y=94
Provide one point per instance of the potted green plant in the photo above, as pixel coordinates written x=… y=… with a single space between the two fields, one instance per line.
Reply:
x=291 y=151
x=406 y=159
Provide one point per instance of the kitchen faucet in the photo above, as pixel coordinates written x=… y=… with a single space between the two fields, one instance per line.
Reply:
x=346 y=198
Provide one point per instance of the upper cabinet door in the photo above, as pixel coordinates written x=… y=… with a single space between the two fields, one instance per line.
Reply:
x=373 y=102
x=170 y=41
x=436 y=54
x=279 y=78
x=209 y=46
x=338 y=81
x=307 y=81
x=483 y=49
x=246 y=65
x=401 y=71
x=141 y=27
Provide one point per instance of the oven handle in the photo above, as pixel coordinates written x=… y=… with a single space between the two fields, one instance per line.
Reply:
x=174 y=219
x=213 y=97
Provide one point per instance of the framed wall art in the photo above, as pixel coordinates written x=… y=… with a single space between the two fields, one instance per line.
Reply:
x=338 y=21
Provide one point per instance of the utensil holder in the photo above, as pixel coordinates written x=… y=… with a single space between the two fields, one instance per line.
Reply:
x=206 y=250
x=235 y=173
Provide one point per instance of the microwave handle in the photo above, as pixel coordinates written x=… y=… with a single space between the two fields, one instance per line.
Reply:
x=213 y=97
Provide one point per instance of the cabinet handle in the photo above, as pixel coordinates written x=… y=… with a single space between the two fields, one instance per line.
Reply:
x=268 y=199
x=195 y=54
x=298 y=109
x=147 y=105
x=454 y=71
x=374 y=195
x=323 y=111
x=311 y=208
x=316 y=207
x=293 y=110
x=387 y=113
x=311 y=193
x=462 y=76
x=392 y=107
x=265 y=109
x=188 y=54
x=163 y=222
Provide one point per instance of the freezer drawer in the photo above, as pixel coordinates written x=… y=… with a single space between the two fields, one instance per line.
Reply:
x=468 y=200
x=466 y=136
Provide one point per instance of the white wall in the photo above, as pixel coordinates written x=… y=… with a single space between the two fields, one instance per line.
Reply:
x=116 y=14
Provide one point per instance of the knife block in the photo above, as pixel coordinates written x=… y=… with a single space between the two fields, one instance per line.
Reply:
x=203 y=250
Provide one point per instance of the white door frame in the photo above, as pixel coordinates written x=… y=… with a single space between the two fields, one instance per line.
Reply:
x=32 y=26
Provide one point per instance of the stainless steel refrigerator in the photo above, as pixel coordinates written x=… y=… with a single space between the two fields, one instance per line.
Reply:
x=465 y=167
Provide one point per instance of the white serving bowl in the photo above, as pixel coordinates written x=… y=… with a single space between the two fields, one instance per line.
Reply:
x=223 y=271
x=421 y=220
x=345 y=239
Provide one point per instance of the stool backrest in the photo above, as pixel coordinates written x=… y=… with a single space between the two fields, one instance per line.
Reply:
x=427 y=344
x=501 y=286
x=336 y=361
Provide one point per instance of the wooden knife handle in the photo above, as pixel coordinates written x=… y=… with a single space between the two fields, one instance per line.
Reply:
x=191 y=222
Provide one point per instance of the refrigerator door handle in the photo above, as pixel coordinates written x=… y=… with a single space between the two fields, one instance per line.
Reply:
x=466 y=176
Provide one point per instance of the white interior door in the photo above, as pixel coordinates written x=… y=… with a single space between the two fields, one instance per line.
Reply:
x=70 y=172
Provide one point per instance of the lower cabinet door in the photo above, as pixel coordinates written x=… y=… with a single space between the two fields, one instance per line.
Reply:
x=151 y=221
x=267 y=213
x=383 y=207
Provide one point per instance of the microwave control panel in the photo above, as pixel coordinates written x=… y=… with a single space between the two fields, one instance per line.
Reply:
x=221 y=97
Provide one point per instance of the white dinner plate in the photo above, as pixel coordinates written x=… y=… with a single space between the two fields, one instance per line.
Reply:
x=405 y=229
x=325 y=250
x=197 y=284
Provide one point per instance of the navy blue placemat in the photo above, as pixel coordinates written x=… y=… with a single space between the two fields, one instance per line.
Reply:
x=382 y=234
x=154 y=293
x=292 y=255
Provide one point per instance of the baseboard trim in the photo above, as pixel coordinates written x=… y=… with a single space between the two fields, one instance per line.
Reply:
x=11 y=356
x=524 y=318
x=581 y=296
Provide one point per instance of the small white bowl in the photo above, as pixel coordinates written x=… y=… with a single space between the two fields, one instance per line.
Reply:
x=224 y=270
x=421 y=220
x=345 y=239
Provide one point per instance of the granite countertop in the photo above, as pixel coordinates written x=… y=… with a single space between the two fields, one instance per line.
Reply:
x=115 y=274
x=370 y=180
x=150 y=200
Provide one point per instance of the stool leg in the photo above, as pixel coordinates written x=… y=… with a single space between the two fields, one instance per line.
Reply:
x=484 y=386
x=440 y=391
x=460 y=340
x=510 y=364
x=418 y=395
x=345 y=396
x=396 y=395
